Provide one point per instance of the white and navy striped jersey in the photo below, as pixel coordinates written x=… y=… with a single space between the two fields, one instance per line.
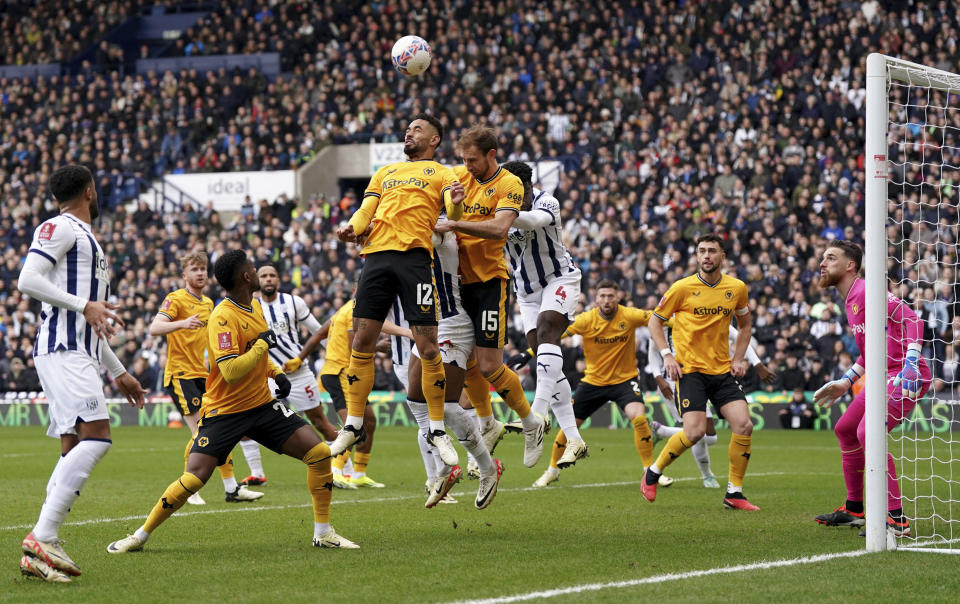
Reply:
x=284 y=316
x=446 y=274
x=539 y=255
x=399 y=345
x=79 y=268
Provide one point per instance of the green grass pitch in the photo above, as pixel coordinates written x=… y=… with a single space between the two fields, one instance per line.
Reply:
x=591 y=528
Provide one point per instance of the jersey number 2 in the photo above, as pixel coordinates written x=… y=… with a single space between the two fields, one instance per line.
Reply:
x=283 y=409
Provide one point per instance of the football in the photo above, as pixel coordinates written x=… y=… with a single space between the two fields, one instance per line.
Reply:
x=411 y=55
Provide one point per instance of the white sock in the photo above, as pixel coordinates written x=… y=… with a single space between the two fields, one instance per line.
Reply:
x=668 y=431
x=486 y=422
x=437 y=425
x=654 y=468
x=549 y=371
x=53 y=476
x=230 y=484
x=552 y=471
x=563 y=410
x=733 y=489
x=348 y=467
x=74 y=470
x=422 y=417
x=320 y=529
x=357 y=474
x=251 y=450
x=465 y=429
x=141 y=534
x=354 y=421
x=702 y=456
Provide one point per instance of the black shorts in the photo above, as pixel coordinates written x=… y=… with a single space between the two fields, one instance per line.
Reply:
x=588 y=398
x=187 y=394
x=695 y=389
x=270 y=424
x=334 y=387
x=389 y=274
x=486 y=305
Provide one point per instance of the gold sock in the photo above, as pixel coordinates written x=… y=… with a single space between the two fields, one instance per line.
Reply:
x=360 y=461
x=676 y=445
x=319 y=481
x=434 y=385
x=226 y=470
x=172 y=500
x=359 y=376
x=341 y=460
x=739 y=451
x=643 y=440
x=559 y=444
x=507 y=384
x=478 y=390
x=186 y=451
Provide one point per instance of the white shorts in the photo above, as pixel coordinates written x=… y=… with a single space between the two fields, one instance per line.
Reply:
x=456 y=339
x=403 y=374
x=560 y=295
x=71 y=382
x=304 y=393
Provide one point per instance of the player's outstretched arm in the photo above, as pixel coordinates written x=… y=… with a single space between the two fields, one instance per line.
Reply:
x=126 y=383
x=392 y=329
x=670 y=366
x=162 y=324
x=738 y=366
x=33 y=282
x=494 y=228
x=235 y=368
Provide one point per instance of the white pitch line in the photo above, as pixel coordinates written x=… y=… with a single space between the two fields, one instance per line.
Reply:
x=586 y=587
x=349 y=501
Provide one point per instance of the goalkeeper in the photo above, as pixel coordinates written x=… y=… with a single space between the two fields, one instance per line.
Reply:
x=908 y=379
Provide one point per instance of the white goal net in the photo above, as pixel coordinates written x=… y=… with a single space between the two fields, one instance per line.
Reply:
x=913 y=174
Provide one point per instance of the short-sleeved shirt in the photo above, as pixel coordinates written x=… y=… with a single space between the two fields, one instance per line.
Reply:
x=231 y=331
x=186 y=347
x=338 y=341
x=482 y=259
x=411 y=195
x=701 y=320
x=609 y=345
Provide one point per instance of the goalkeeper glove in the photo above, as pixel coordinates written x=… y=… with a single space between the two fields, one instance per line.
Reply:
x=292 y=365
x=909 y=378
x=283 y=385
x=269 y=337
x=832 y=391
x=519 y=360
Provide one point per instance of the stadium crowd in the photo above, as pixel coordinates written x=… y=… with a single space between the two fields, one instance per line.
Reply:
x=670 y=121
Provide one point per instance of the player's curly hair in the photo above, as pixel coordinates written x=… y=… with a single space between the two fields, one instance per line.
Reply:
x=433 y=121
x=849 y=249
x=195 y=256
x=521 y=170
x=68 y=182
x=482 y=137
x=714 y=238
x=227 y=268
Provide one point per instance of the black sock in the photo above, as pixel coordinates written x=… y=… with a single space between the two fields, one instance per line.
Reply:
x=897 y=514
x=652 y=477
x=854 y=507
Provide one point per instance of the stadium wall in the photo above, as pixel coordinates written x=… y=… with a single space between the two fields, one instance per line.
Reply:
x=389 y=407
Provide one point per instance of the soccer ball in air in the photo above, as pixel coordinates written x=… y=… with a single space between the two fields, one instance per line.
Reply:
x=411 y=55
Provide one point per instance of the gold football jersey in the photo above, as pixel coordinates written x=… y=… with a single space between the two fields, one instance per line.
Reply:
x=701 y=321
x=185 y=347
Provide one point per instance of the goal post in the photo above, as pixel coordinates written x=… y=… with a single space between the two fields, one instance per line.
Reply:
x=909 y=108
